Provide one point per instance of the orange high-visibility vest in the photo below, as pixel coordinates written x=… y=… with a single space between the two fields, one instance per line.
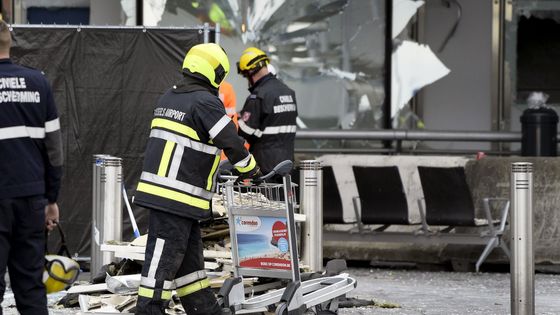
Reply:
x=227 y=95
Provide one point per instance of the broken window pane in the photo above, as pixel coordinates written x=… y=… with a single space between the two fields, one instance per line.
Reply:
x=332 y=53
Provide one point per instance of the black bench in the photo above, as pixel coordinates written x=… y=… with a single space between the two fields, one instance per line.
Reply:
x=332 y=204
x=448 y=201
x=447 y=204
x=382 y=190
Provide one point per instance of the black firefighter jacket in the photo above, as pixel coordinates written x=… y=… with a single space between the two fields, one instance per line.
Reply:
x=268 y=122
x=189 y=129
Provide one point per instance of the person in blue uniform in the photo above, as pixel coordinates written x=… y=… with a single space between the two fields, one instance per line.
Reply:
x=30 y=172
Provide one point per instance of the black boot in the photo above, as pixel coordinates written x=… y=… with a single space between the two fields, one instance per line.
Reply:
x=202 y=302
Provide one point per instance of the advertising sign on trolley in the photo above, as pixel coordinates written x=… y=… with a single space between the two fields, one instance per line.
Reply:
x=263 y=242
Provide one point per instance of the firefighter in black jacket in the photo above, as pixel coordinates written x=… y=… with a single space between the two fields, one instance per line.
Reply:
x=268 y=118
x=30 y=173
x=189 y=129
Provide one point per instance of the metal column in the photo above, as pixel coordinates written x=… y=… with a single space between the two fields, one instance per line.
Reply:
x=106 y=208
x=206 y=32
x=217 y=34
x=311 y=194
x=522 y=267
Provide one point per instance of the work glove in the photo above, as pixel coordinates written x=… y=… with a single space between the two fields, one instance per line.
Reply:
x=254 y=175
x=224 y=169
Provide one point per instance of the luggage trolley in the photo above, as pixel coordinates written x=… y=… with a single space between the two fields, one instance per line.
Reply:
x=264 y=244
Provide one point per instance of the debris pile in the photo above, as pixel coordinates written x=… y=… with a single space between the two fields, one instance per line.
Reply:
x=114 y=288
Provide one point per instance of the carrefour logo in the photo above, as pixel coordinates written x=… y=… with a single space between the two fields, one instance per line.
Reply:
x=247 y=223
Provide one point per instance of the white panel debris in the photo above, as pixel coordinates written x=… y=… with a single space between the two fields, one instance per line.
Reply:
x=414 y=66
x=109 y=303
x=123 y=284
x=88 y=288
x=129 y=10
x=153 y=11
x=403 y=11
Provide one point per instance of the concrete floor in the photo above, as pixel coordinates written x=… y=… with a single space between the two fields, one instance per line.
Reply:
x=448 y=293
x=426 y=293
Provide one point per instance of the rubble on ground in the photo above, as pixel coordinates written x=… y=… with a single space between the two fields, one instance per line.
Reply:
x=113 y=289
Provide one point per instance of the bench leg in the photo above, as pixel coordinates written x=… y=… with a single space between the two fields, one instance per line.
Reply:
x=425 y=228
x=487 y=250
x=505 y=248
x=357 y=212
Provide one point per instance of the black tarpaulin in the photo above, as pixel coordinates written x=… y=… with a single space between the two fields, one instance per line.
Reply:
x=105 y=82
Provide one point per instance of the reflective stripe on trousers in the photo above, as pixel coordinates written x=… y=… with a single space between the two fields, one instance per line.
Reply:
x=174 y=260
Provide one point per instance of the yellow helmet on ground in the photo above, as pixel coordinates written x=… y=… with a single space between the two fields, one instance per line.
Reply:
x=209 y=60
x=60 y=272
x=252 y=60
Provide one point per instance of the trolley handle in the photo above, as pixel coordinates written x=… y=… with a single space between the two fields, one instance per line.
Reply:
x=283 y=168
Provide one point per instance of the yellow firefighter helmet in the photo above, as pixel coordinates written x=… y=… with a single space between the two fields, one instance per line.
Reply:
x=209 y=60
x=252 y=60
x=60 y=272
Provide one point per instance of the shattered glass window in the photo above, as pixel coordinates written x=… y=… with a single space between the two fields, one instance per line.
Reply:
x=532 y=51
x=330 y=52
x=538 y=43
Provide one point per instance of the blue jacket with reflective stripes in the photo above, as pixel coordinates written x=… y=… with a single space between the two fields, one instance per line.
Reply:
x=30 y=139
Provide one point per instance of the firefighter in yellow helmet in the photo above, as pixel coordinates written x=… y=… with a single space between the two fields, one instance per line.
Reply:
x=268 y=118
x=189 y=130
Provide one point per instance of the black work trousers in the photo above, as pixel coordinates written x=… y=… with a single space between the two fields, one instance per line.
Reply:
x=174 y=260
x=22 y=250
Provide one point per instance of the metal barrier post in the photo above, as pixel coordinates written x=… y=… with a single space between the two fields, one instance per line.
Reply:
x=311 y=194
x=217 y=31
x=206 y=30
x=106 y=208
x=522 y=266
